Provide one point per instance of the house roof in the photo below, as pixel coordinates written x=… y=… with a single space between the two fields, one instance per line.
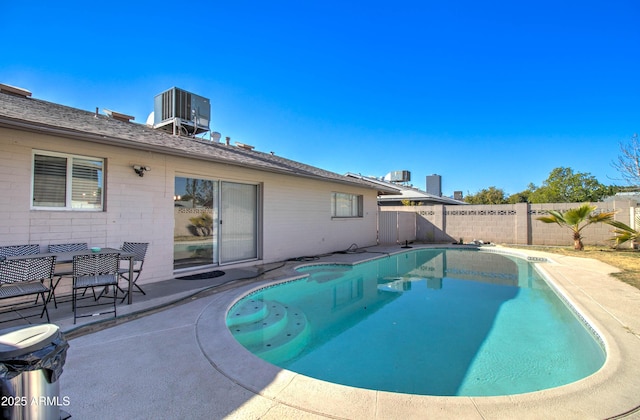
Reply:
x=626 y=195
x=34 y=115
x=407 y=193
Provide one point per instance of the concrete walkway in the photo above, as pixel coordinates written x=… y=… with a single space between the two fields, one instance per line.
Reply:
x=179 y=360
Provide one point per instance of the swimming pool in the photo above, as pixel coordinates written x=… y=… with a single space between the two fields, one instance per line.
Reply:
x=431 y=321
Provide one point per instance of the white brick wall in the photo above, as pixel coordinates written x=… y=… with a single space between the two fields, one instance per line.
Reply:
x=295 y=217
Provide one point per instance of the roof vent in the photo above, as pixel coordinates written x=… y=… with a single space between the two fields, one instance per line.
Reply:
x=119 y=116
x=15 y=91
x=244 y=146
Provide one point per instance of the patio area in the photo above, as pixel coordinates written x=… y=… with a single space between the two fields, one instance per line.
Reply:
x=169 y=355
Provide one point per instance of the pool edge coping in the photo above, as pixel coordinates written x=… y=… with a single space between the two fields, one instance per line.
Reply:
x=599 y=395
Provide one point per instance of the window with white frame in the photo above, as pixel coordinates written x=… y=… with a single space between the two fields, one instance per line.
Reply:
x=67 y=182
x=346 y=205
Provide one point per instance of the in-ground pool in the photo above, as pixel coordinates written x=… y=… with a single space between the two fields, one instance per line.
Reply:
x=447 y=322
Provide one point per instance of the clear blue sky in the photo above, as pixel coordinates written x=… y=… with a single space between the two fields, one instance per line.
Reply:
x=493 y=93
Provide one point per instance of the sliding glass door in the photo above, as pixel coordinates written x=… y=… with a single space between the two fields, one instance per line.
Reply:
x=215 y=222
x=238 y=222
x=195 y=207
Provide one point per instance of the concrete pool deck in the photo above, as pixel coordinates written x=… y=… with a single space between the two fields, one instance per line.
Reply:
x=182 y=362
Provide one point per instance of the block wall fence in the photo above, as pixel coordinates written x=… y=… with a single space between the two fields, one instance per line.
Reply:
x=502 y=224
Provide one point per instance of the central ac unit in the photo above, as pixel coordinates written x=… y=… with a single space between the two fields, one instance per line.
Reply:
x=181 y=112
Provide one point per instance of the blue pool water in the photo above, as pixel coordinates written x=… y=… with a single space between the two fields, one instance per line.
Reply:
x=432 y=321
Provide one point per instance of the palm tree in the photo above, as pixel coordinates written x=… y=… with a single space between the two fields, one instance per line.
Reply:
x=574 y=218
x=625 y=232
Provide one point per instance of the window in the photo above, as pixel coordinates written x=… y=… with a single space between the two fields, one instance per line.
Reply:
x=67 y=182
x=216 y=222
x=346 y=205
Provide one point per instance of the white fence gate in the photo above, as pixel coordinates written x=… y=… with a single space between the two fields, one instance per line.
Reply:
x=396 y=227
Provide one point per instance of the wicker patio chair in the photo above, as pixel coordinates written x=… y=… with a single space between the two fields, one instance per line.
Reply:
x=15 y=250
x=91 y=271
x=64 y=270
x=140 y=251
x=25 y=277
x=81 y=246
x=19 y=250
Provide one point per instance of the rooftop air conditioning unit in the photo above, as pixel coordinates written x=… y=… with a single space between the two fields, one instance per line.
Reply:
x=399 y=176
x=181 y=112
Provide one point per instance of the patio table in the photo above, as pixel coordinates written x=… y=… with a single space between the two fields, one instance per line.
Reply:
x=67 y=257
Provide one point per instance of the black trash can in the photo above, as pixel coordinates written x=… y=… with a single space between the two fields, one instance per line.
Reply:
x=31 y=361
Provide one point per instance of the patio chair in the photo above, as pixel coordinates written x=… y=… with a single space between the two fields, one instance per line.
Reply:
x=15 y=250
x=25 y=277
x=19 y=250
x=91 y=271
x=64 y=270
x=140 y=251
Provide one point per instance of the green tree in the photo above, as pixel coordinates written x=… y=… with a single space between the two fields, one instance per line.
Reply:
x=491 y=195
x=576 y=220
x=565 y=186
x=521 y=197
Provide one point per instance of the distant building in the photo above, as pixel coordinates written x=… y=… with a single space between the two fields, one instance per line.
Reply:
x=434 y=185
x=457 y=195
x=407 y=194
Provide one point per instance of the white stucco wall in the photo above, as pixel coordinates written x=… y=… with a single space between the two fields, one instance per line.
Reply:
x=295 y=214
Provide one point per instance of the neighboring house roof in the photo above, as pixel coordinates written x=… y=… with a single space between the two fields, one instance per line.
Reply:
x=631 y=195
x=23 y=113
x=407 y=193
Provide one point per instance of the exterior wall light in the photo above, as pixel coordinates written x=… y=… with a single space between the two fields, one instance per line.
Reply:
x=140 y=170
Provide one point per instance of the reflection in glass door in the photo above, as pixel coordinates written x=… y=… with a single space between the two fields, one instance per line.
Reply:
x=216 y=222
x=196 y=222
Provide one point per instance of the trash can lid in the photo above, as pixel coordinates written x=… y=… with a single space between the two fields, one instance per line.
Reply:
x=22 y=340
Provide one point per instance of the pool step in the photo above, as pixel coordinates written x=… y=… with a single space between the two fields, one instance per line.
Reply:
x=269 y=329
x=251 y=311
x=287 y=345
x=269 y=323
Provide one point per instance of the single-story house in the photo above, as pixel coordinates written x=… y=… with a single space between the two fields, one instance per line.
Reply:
x=405 y=194
x=69 y=175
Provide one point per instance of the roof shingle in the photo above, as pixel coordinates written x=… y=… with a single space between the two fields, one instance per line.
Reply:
x=42 y=116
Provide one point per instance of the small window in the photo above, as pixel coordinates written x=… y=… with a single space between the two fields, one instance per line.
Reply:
x=67 y=182
x=346 y=205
